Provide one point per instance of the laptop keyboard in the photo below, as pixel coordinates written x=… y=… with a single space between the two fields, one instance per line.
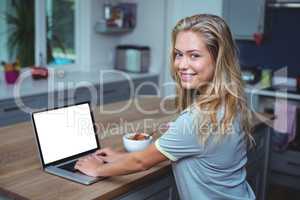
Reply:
x=69 y=166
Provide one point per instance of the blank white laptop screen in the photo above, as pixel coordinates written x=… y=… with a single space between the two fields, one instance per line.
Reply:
x=65 y=132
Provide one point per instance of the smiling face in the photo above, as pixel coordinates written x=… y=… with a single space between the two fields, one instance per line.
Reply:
x=192 y=60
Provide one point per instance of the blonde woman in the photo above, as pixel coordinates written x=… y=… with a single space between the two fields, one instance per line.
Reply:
x=207 y=144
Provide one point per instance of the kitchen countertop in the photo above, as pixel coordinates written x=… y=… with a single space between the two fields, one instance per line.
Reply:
x=273 y=92
x=26 y=86
x=20 y=169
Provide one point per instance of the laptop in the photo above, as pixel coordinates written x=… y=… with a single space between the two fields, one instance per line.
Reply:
x=63 y=135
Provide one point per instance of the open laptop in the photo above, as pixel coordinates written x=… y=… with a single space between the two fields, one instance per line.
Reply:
x=64 y=135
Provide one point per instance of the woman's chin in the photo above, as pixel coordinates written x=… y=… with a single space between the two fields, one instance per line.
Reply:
x=187 y=85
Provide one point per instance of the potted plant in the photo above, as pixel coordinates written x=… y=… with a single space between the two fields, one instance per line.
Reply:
x=11 y=71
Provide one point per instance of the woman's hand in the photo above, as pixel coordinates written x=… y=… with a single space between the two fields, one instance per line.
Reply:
x=119 y=163
x=108 y=155
x=89 y=165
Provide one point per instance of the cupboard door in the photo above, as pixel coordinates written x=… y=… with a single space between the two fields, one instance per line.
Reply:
x=12 y=111
x=114 y=91
x=162 y=188
x=244 y=17
x=287 y=162
x=84 y=94
x=146 y=86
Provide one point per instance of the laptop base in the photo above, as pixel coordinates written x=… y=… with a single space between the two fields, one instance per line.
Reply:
x=76 y=177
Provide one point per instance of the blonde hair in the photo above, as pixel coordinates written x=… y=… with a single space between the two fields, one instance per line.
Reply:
x=226 y=88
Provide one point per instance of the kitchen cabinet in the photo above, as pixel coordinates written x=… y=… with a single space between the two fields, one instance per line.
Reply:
x=163 y=188
x=284 y=165
x=111 y=91
x=245 y=18
x=285 y=168
x=13 y=112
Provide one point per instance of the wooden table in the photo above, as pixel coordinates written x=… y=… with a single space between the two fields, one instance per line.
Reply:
x=21 y=176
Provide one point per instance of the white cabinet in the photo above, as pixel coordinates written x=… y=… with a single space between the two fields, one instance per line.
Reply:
x=244 y=17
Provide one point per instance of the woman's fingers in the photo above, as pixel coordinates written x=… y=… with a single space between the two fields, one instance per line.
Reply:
x=84 y=158
x=102 y=151
x=104 y=158
x=78 y=164
x=87 y=159
x=98 y=157
x=105 y=152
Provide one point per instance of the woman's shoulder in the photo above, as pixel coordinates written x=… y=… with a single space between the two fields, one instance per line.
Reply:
x=186 y=117
x=184 y=123
x=189 y=114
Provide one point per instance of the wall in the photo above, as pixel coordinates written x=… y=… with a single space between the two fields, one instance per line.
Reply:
x=177 y=9
x=155 y=20
x=281 y=46
x=149 y=31
x=102 y=46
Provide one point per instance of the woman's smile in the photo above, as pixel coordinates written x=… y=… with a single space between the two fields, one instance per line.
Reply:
x=187 y=77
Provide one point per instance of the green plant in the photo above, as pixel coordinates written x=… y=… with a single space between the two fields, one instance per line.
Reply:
x=21 y=31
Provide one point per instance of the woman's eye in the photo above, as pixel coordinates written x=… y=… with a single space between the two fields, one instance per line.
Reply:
x=195 y=56
x=178 y=55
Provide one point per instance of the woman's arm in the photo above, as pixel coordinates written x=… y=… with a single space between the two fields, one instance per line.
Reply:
x=127 y=163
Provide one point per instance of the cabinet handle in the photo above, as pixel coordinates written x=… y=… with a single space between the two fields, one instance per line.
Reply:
x=67 y=99
x=294 y=164
x=109 y=91
x=11 y=109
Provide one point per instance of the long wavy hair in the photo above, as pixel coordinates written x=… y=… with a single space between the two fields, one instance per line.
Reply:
x=226 y=89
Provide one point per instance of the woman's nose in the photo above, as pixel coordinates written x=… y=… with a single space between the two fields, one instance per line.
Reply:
x=184 y=63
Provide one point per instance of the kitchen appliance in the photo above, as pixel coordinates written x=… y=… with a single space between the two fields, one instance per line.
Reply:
x=132 y=58
x=251 y=75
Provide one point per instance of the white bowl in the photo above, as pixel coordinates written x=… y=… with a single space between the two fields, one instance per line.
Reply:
x=135 y=145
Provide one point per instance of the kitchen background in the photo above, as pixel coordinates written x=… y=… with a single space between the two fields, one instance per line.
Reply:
x=154 y=21
x=89 y=39
x=281 y=46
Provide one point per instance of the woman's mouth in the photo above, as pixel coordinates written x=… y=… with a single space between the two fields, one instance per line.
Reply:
x=187 y=76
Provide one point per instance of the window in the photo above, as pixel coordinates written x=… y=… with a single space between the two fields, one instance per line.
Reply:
x=60 y=28
x=17 y=31
x=41 y=32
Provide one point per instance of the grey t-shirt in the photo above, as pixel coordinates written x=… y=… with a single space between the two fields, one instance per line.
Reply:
x=215 y=170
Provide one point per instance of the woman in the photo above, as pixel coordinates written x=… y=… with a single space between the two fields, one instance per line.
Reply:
x=208 y=141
